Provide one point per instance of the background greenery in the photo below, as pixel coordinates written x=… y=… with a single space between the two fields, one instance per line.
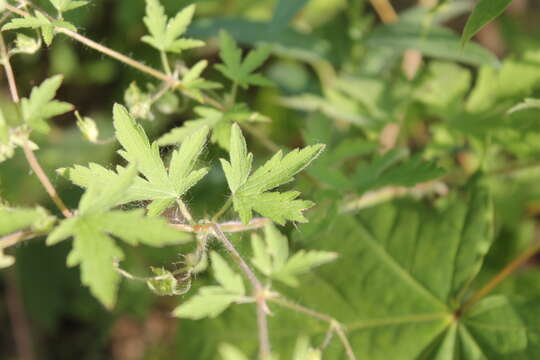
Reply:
x=338 y=80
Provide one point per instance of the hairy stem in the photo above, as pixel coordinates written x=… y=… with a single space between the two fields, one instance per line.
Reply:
x=258 y=289
x=9 y=71
x=333 y=323
x=174 y=83
x=15 y=238
x=165 y=62
x=44 y=180
x=502 y=275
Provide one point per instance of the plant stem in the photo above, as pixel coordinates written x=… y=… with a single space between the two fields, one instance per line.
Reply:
x=9 y=71
x=228 y=227
x=174 y=83
x=334 y=324
x=497 y=279
x=44 y=180
x=232 y=96
x=223 y=209
x=165 y=62
x=385 y=10
x=15 y=238
x=185 y=211
x=259 y=293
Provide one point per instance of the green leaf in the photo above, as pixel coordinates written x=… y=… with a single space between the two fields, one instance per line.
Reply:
x=220 y=122
x=225 y=276
x=229 y=352
x=66 y=5
x=210 y=301
x=241 y=72
x=484 y=12
x=434 y=41
x=40 y=106
x=304 y=351
x=166 y=35
x=386 y=170
x=250 y=191
x=285 y=11
x=16 y=219
x=93 y=247
x=272 y=257
x=396 y=306
x=96 y=252
x=162 y=186
x=525 y=105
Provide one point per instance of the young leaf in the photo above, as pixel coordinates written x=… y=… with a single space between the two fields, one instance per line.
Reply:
x=225 y=276
x=210 y=301
x=93 y=247
x=484 y=12
x=158 y=184
x=229 y=352
x=250 y=192
x=40 y=106
x=272 y=257
x=386 y=170
x=38 y=21
x=241 y=72
x=15 y=219
x=220 y=122
x=66 y=5
x=166 y=35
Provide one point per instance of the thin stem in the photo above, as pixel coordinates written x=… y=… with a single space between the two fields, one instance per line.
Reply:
x=259 y=293
x=9 y=71
x=44 y=180
x=502 y=275
x=223 y=210
x=232 y=96
x=165 y=62
x=174 y=83
x=334 y=324
x=15 y=238
x=185 y=211
x=385 y=10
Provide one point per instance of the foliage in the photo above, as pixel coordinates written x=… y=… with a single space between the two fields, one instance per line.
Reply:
x=376 y=194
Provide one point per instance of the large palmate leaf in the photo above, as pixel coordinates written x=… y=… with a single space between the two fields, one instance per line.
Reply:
x=399 y=286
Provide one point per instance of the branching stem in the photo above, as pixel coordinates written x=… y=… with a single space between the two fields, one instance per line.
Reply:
x=223 y=210
x=335 y=325
x=259 y=293
x=15 y=238
x=171 y=81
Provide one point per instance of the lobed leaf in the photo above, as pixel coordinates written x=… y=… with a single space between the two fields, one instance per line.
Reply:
x=249 y=191
x=40 y=106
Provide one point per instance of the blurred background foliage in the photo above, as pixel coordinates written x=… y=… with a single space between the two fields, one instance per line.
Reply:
x=340 y=78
